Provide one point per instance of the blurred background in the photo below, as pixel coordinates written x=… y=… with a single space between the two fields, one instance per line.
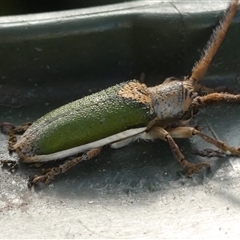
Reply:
x=16 y=7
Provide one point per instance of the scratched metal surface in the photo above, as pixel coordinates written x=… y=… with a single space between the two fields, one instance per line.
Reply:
x=137 y=191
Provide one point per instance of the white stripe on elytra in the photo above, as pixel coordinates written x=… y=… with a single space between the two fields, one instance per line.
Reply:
x=123 y=138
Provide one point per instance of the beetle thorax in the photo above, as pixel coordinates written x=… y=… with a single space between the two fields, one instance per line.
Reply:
x=171 y=99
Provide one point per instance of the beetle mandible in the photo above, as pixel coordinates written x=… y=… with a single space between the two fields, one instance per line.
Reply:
x=138 y=112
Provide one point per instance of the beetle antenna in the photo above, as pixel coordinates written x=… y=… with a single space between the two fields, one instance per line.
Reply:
x=201 y=67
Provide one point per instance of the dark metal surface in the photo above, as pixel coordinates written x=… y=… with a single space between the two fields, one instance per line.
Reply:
x=47 y=60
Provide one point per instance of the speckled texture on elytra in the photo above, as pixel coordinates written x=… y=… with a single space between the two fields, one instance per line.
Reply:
x=86 y=120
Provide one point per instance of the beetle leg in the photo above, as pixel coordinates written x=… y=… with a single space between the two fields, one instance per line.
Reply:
x=200 y=102
x=11 y=141
x=15 y=129
x=201 y=88
x=186 y=132
x=12 y=131
x=11 y=165
x=8 y=128
x=207 y=152
x=219 y=144
x=158 y=132
x=49 y=174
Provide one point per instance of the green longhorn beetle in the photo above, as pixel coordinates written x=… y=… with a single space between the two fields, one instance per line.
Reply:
x=123 y=113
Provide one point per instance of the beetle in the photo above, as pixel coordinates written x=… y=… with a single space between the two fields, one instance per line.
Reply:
x=124 y=113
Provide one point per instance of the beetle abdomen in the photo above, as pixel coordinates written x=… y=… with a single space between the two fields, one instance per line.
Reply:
x=116 y=109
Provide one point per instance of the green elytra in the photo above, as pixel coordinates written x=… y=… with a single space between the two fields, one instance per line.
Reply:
x=86 y=120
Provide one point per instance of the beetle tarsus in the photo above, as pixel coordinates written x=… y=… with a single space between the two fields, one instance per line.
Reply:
x=46 y=177
x=11 y=142
x=194 y=167
x=203 y=90
x=49 y=173
x=6 y=127
x=42 y=178
x=22 y=128
x=207 y=152
x=11 y=165
x=34 y=180
x=12 y=130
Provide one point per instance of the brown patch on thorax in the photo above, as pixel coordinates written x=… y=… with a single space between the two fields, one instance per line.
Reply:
x=136 y=91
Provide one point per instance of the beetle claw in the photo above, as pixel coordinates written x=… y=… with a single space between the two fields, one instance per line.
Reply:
x=196 y=167
x=11 y=165
x=33 y=181
x=46 y=177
